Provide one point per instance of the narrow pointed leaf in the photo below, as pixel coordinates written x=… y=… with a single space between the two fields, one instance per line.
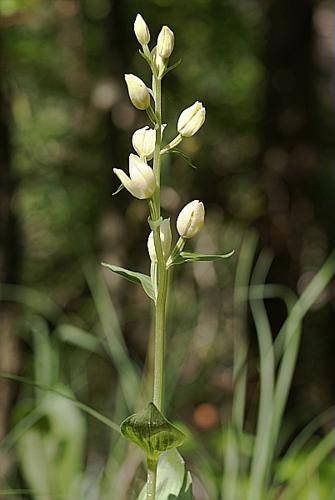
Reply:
x=173 y=66
x=183 y=155
x=134 y=277
x=199 y=257
x=121 y=186
x=150 y=430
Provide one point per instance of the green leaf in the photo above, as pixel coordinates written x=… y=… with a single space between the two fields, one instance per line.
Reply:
x=174 y=481
x=199 y=257
x=134 y=277
x=183 y=155
x=173 y=66
x=121 y=186
x=150 y=430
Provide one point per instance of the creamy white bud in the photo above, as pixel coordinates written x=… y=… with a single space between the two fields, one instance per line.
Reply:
x=141 y=181
x=141 y=30
x=160 y=64
x=191 y=219
x=165 y=42
x=191 y=119
x=144 y=142
x=138 y=92
x=166 y=240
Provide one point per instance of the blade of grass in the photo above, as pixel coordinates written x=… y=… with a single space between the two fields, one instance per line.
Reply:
x=39 y=302
x=231 y=444
x=20 y=428
x=260 y=463
x=129 y=378
x=82 y=406
x=291 y=330
x=307 y=432
x=310 y=466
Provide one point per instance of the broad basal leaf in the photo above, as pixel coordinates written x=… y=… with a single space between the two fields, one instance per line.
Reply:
x=174 y=481
x=134 y=277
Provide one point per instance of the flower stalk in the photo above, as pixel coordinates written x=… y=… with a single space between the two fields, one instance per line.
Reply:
x=149 y=428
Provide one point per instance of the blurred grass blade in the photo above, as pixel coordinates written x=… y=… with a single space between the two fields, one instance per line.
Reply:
x=39 y=302
x=79 y=338
x=307 y=432
x=82 y=406
x=129 y=378
x=232 y=452
x=311 y=463
x=260 y=461
x=291 y=331
x=20 y=428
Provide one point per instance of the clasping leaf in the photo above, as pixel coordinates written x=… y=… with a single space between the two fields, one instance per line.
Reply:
x=150 y=430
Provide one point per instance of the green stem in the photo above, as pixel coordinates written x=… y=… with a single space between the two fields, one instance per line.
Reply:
x=161 y=266
x=151 y=479
x=162 y=281
x=177 y=140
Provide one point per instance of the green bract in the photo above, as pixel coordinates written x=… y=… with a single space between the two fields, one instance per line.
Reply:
x=150 y=430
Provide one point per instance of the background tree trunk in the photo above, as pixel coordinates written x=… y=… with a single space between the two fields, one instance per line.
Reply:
x=9 y=270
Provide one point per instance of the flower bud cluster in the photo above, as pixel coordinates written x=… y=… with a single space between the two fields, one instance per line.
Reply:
x=141 y=181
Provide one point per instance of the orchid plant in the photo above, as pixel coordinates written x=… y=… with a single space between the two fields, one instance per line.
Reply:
x=149 y=428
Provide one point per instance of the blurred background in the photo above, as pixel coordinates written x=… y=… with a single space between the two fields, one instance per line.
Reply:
x=265 y=171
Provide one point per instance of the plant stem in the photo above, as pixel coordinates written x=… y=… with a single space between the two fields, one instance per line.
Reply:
x=162 y=277
x=162 y=282
x=160 y=338
x=151 y=479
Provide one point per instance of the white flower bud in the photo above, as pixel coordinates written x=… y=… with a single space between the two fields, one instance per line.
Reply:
x=166 y=240
x=191 y=219
x=141 y=30
x=144 y=142
x=141 y=182
x=165 y=42
x=191 y=119
x=138 y=92
x=160 y=64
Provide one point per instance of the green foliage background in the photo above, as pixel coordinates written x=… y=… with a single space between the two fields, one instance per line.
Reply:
x=265 y=161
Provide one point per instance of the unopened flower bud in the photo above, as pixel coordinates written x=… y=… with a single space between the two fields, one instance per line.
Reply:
x=166 y=240
x=160 y=65
x=141 y=30
x=138 y=92
x=191 y=219
x=144 y=142
x=165 y=42
x=191 y=119
x=141 y=182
